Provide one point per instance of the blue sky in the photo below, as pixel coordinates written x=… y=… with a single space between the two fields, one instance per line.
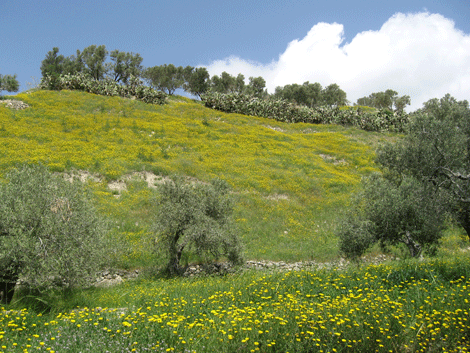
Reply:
x=419 y=48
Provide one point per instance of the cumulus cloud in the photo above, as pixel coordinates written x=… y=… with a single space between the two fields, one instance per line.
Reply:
x=422 y=55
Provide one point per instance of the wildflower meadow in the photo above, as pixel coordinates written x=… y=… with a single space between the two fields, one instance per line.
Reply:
x=291 y=184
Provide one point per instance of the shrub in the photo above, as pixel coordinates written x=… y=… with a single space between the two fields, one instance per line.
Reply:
x=105 y=87
x=436 y=151
x=195 y=217
x=9 y=83
x=394 y=212
x=282 y=110
x=50 y=234
x=355 y=237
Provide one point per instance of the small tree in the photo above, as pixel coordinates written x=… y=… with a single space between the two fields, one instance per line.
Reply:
x=92 y=60
x=55 y=65
x=50 y=234
x=333 y=95
x=393 y=212
x=195 y=217
x=239 y=84
x=385 y=100
x=9 y=83
x=197 y=80
x=124 y=65
x=256 y=87
x=436 y=151
x=309 y=94
x=166 y=78
x=227 y=83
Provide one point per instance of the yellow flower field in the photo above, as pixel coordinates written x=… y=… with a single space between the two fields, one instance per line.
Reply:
x=290 y=179
x=411 y=307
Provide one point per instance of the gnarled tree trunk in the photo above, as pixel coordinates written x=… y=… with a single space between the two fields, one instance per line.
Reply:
x=7 y=288
x=413 y=247
x=462 y=215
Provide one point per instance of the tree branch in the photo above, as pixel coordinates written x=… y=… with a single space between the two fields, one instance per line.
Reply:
x=456 y=175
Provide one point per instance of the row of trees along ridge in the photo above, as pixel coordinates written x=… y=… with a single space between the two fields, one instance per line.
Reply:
x=168 y=78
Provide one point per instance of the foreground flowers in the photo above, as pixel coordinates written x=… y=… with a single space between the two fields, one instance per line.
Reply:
x=400 y=307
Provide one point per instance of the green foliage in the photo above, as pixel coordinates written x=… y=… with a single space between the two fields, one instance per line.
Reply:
x=125 y=65
x=406 y=213
x=197 y=81
x=50 y=233
x=385 y=100
x=256 y=87
x=312 y=94
x=308 y=94
x=166 y=77
x=436 y=151
x=55 y=65
x=282 y=110
x=106 y=87
x=333 y=96
x=227 y=83
x=355 y=237
x=92 y=60
x=9 y=83
x=195 y=217
x=392 y=213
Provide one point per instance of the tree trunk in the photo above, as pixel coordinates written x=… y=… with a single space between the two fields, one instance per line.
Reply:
x=466 y=226
x=413 y=247
x=463 y=217
x=175 y=251
x=7 y=289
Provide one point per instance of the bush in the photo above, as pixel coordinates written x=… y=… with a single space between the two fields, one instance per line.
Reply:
x=50 y=234
x=9 y=83
x=195 y=217
x=355 y=238
x=282 y=110
x=105 y=87
x=394 y=212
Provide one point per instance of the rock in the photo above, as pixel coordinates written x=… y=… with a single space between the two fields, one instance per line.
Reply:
x=109 y=282
x=14 y=104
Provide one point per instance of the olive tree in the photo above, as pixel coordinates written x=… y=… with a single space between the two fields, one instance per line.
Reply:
x=227 y=83
x=50 y=233
x=309 y=94
x=195 y=217
x=436 y=152
x=256 y=87
x=197 y=80
x=92 y=60
x=166 y=78
x=124 y=65
x=333 y=95
x=393 y=212
x=385 y=100
x=9 y=83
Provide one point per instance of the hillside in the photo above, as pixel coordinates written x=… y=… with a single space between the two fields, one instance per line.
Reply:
x=291 y=181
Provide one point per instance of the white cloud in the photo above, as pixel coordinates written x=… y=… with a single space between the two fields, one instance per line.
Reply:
x=422 y=55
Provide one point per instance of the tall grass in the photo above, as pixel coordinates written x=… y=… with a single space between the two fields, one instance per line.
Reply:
x=412 y=306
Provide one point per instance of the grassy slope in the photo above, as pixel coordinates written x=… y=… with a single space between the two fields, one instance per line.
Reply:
x=291 y=180
x=290 y=185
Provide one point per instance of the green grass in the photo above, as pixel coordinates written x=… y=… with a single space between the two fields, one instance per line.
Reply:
x=408 y=306
x=291 y=184
x=291 y=181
